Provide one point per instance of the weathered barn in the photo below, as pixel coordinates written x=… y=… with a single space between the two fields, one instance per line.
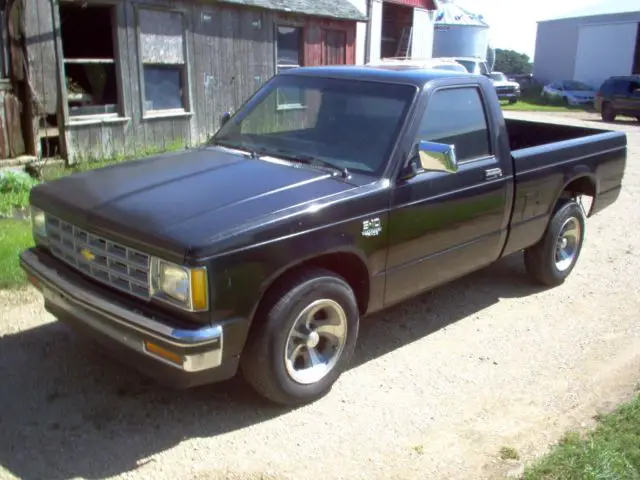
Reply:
x=118 y=77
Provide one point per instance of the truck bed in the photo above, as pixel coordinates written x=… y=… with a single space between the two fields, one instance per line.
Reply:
x=526 y=133
x=546 y=157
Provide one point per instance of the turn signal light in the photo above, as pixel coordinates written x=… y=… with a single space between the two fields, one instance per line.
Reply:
x=163 y=353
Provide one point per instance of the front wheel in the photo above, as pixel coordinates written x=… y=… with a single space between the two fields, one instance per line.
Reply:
x=551 y=260
x=304 y=338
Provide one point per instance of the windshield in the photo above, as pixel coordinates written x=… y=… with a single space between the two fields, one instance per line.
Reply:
x=469 y=65
x=348 y=123
x=449 y=67
x=576 y=86
x=500 y=77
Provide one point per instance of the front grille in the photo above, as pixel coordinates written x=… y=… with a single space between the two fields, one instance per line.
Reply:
x=505 y=89
x=108 y=262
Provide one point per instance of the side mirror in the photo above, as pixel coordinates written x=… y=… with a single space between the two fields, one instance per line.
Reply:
x=437 y=157
x=224 y=119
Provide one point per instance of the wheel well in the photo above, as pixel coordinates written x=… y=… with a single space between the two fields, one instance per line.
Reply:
x=580 y=186
x=347 y=265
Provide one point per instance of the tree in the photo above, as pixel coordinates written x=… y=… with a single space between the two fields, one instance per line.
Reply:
x=512 y=62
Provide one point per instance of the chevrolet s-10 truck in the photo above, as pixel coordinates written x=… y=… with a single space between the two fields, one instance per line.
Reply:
x=332 y=193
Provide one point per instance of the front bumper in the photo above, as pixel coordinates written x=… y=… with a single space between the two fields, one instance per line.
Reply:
x=179 y=357
x=508 y=96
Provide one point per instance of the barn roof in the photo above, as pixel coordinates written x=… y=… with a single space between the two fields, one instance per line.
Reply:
x=339 y=9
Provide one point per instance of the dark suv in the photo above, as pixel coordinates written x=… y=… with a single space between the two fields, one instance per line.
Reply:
x=619 y=96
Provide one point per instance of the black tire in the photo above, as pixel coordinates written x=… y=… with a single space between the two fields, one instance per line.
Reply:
x=512 y=101
x=565 y=100
x=608 y=115
x=263 y=358
x=540 y=259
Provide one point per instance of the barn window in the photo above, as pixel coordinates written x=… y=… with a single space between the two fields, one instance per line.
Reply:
x=335 y=47
x=289 y=46
x=89 y=65
x=162 y=56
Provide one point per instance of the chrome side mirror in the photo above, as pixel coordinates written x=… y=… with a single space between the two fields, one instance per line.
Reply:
x=437 y=157
x=224 y=119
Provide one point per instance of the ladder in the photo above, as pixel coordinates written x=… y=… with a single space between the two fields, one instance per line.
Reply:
x=404 y=44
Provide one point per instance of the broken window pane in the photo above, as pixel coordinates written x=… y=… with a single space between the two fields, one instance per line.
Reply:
x=89 y=59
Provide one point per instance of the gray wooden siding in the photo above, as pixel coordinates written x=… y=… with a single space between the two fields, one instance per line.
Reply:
x=229 y=53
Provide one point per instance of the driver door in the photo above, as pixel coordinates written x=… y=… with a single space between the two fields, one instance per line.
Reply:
x=444 y=225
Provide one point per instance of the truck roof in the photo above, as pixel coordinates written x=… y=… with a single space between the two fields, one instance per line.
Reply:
x=392 y=73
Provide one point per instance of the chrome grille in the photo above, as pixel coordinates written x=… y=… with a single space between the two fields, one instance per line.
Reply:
x=108 y=262
x=505 y=89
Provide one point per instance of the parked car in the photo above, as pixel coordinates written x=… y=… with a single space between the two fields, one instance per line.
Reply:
x=475 y=66
x=570 y=91
x=429 y=63
x=262 y=251
x=505 y=89
x=619 y=96
x=526 y=80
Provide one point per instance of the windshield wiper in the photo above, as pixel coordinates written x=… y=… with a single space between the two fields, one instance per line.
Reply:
x=311 y=160
x=252 y=152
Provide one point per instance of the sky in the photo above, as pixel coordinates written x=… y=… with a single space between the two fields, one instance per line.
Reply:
x=513 y=22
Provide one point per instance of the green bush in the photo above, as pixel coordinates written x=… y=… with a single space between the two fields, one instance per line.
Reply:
x=14 y=191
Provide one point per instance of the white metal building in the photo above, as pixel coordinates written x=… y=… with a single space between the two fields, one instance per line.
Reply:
x=595 y=44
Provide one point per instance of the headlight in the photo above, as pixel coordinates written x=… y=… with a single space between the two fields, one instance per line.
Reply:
x=38 y=224
x=178 y=285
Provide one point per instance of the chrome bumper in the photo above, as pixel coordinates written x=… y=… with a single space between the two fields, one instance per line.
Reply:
x=189 y=350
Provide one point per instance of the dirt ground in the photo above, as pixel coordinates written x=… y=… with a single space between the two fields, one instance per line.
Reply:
x=438 y=385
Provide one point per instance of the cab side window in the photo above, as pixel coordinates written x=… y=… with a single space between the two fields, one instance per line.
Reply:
x=457 y=116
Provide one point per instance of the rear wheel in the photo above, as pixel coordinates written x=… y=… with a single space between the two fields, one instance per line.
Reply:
x=608 y=115
x=304 y=338
x=551 y=260
x=513 y=100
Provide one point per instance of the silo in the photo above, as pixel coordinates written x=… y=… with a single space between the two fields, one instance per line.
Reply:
x=459 y=33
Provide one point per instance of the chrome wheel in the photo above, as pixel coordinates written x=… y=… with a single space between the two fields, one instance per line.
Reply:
x=568 y=243
x=316 y=341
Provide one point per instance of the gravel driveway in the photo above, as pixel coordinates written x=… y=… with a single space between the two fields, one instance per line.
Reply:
x=438 y=385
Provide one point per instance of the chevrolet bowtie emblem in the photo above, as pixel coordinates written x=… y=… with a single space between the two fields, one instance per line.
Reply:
x=87 y=255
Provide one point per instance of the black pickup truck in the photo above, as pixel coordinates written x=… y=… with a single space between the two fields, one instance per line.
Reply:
x=332 y=193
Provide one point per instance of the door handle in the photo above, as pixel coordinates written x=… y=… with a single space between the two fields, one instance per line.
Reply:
x=492 y=173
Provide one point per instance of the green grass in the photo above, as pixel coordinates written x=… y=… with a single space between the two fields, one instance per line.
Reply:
x=535 y=105
x=15 y=236
x=610 y=451
x=509 y=453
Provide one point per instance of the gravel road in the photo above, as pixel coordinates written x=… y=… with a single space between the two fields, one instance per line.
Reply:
x=438 y=385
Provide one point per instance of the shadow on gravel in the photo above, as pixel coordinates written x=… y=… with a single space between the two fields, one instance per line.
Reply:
x=68 y=411
x=617 y=121
x=412 y=320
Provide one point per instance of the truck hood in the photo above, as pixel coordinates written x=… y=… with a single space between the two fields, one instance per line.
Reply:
x=505 y=83
x=169 y=203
